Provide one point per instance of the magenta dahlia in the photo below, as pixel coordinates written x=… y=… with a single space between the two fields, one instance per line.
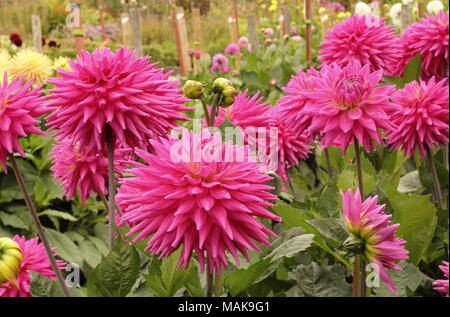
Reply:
x=34 y=260
x=367 y=222
x=132 y=96
x=220 y=63
x=347 y=103
x=19 y=107
x=232 y=49
x=421 y=120
x=442 y=285
x=429 y=37
x=75 y=168
x=183 y=196
x=364 y=39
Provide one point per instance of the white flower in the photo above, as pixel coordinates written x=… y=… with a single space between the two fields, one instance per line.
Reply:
x=395 y=11
x=362 y=8
x=406 y=2
x=435 y=6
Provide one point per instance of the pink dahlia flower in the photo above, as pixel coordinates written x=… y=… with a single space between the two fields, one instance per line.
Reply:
x=19 y=107
x=368 y=222
x=132 y=96
x=75 y=168
x=422 y=118
x=429 y=37
x=442 y=285
x=347 y=103
x=292 y=145
x=220 y=63
x=208 y=205
x=362 y=38
x=232 y=49
x=243 y=41
x=292 y=105
x=268 y=32
x=34 y=259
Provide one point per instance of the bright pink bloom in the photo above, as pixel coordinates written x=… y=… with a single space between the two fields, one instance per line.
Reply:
x=75 y=168
x=429 y=37
x=442 y=285
x=232 y=49
x=19 y=107
x=34 y=259
x=220 y=63
x=243 y=41
x=182 y=196
x=136 y=99
x=347 y=103
x=268 y=32
x=362 y=38
x=422 y=118
x=368 y=222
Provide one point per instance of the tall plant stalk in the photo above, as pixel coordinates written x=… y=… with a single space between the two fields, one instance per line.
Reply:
x=112 y=185
x=436 y=183
x=38 y=225
x=329 y=167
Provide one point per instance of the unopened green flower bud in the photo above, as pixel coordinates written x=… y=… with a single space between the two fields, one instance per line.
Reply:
x=220 y=84
x=193 y=89
x=354 y=244
x=229 y=95
x=10 y=261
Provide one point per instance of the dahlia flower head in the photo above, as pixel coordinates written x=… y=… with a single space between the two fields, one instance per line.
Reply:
x=429 y=37
x=74 y=168
x=20 y=105
x=435 y=6
x=367 y=221
x=442 y=285
x=346 y=103
x=364 y=39
x=232 y=49
x=133 y=97
x=421 y=120
x=293 y=103
x=220 y=63
x=243 y=41
x=268 y=32
x=195 y=193
x=35 y=260
x=32 y=64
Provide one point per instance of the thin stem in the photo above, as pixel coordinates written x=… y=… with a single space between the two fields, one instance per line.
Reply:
x=112 y=185
x=356 y=276
x=362 y=285
x=437 y=185
x=329 y=167
x=39 y=227
x=359 y=167
x=212 y=116
x=205 y=110
x=209 y=280
x=445 y=160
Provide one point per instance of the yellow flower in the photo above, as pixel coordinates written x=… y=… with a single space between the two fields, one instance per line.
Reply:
x=10 y=260
x=341 y=15
x=4 y=62
x=348 y=13
x=322 y=10
x=34 y=65
x=61 y=62
x=273 y=8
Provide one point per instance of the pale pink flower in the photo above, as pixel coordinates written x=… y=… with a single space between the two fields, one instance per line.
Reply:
x=346 y=103
x=364 y=39
x=421 y=120
x=132 y=96
x=243 y=41
x=20 y=105
x=206 y=206
x=268 y=32
x=442 y=285
x=34 y=260
x=75 y=168
x=429 y=37
x=368 y=222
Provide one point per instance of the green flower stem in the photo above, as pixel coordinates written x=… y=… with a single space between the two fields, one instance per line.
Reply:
x=38 y=225
x=437 y=185
x=209 y=280
x=112 y=185
x=212 y=116
x=205 y=110
x=356 y=292
x=362 y=286
x=329 y=167
x=359 y=167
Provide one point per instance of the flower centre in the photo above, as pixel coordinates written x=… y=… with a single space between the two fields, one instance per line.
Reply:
x=350 y=91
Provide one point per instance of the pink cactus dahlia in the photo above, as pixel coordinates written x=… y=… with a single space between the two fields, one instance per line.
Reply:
x=368 y=222
x=429 y=37
x=362 y=38
x=34 y=259
x=132 y=96
x=19 y=107
x=232 y=49
x=206 y=204
x=220 y=63
x=348 y=104
x=75 y=168
x=442 y=285
x=422 y=118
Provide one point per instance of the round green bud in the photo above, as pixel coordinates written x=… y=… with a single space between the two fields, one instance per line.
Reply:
x=193 y=89
x=10 y=261
x=220 y=84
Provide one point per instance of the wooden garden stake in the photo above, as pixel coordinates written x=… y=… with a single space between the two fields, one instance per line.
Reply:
x=181 y=18
x=102 y=19
x=406 y=16
x=37 y=32
x=78 y=27
x=235 y=15
x=232 y=27
x=181 y=59
x=308 y=22
x=253 y=32
x=286 y=20
x=136 y=31
x=125 y=28
x=197 y=28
